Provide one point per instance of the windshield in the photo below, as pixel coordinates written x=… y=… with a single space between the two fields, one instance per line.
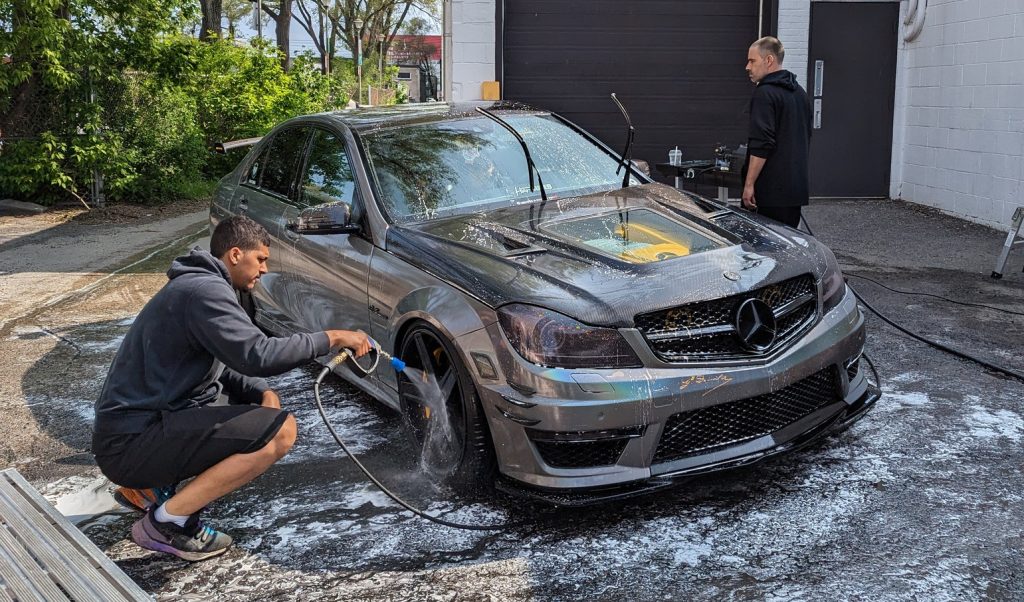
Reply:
x=466 y=166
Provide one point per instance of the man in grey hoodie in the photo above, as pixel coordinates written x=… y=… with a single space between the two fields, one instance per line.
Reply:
x=192 y=345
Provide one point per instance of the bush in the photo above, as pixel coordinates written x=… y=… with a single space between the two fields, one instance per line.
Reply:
x=149 y=131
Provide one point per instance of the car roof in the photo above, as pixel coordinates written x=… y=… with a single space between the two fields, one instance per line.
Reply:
x=365 y=119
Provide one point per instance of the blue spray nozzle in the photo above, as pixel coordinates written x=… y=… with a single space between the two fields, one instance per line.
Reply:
x=397 y=364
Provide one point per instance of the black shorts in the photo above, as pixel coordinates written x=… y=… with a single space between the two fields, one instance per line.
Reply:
x=179 y=445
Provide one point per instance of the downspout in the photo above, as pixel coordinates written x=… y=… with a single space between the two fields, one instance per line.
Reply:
x=760 y=19
x=446 y=50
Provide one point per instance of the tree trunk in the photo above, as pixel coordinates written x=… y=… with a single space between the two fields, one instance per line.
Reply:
x=282 y=29
x=210 y=29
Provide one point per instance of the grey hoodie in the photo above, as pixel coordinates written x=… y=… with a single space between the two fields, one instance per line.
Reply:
x=190 y=342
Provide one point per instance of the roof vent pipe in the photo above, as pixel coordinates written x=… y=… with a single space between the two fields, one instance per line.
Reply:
x=913 y=22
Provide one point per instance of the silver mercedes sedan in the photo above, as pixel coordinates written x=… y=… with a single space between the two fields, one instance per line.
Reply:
x=572 y=329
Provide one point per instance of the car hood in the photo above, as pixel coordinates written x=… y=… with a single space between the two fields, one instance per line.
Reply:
x=603 y=258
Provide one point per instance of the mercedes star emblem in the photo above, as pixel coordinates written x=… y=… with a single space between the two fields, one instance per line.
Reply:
x=755 y=324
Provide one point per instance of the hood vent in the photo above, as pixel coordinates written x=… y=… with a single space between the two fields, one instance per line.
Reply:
x=515 y=244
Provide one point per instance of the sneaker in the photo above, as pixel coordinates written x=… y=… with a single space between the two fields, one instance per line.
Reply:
x=195 y=541
x=142 y=499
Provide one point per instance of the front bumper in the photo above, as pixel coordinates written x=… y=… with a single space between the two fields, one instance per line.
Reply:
x=835 y=423
x=616 y=418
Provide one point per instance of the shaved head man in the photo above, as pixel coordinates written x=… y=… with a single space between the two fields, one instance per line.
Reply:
x=775 y=178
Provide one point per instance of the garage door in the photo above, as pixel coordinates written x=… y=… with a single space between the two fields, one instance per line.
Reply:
x=677 y=66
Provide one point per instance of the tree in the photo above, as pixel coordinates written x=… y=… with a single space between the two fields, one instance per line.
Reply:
x=235 y=11
x=378 y=17
x=316 y=20
x=62 y=52
x=211 y=11
x=282 y=18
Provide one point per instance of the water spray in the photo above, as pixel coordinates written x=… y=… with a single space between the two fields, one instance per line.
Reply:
x=347 y=356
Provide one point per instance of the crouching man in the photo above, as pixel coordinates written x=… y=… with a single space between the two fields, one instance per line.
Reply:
x=190 y=346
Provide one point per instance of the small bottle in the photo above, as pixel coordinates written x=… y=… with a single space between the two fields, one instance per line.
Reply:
x=675 y=156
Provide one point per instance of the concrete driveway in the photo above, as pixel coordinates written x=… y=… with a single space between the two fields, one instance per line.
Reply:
x=920 y=500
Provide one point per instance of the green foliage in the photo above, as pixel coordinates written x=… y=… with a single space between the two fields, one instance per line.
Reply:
x=141 y=104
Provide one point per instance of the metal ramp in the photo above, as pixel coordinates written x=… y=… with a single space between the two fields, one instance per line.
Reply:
x=1011 y=242
x=43 y=557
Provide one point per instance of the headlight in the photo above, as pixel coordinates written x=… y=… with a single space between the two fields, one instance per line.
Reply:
x=550 y=339
x=833 y=286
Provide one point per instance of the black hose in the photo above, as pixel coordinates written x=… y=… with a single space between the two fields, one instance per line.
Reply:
x=955 y=352
x=946 y=299
x=387 y=492
x=940 y=346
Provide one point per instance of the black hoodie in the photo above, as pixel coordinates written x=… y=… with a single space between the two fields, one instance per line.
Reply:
x=188 y=343
x=780 y=133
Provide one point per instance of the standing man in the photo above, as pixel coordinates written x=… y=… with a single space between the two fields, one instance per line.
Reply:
x=775 y=183
x=190 y=346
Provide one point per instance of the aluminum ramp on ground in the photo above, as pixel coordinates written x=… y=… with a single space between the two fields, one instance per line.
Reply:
x=44 y=557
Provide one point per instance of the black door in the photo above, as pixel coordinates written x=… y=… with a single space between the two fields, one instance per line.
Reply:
x=677 y=66
x=852 y=76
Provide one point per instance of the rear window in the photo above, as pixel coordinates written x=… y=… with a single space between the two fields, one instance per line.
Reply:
x=281 y=161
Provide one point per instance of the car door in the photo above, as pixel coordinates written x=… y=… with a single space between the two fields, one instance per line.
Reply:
x=327 y=273
x=266 y=195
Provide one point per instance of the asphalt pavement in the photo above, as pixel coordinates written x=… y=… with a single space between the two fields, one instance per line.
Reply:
x=921 y=500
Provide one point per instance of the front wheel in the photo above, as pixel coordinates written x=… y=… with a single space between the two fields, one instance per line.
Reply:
x=442 y=415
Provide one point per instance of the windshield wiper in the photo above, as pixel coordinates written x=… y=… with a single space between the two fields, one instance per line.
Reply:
x=530 y=165
x=627 y=157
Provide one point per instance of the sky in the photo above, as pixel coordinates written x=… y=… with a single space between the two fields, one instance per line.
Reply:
x=300 y=39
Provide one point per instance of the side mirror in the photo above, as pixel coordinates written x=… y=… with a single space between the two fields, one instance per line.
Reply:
x=642 y=166
x=329 y=218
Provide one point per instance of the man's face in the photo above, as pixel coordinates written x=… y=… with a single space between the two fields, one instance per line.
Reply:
x=758 y=66
x=246 y=267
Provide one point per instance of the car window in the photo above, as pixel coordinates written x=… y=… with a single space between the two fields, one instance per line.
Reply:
x=281 y=161
x=328 y=178
x=467 y=165
x=253 y=176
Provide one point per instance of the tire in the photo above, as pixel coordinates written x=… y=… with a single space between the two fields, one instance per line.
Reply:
x=451 y=438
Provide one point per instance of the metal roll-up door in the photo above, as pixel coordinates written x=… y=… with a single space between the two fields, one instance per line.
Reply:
x=677 y=65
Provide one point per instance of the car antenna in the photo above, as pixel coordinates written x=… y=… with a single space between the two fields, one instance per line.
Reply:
x=627 y=156
x=530 y=165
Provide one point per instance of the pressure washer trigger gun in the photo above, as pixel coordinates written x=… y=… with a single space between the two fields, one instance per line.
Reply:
x=396 y=363
x=347 y=356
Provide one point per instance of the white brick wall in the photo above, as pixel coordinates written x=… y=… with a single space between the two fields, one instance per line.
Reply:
x=962 y=148
x=794 y=27
x=472 y=47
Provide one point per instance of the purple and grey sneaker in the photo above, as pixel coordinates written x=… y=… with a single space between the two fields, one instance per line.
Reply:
x=195 y=541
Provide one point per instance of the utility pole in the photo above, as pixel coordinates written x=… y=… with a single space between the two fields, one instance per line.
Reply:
x=258 y=15
x=446 y=51
x=380 y=58
x=359 y=60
